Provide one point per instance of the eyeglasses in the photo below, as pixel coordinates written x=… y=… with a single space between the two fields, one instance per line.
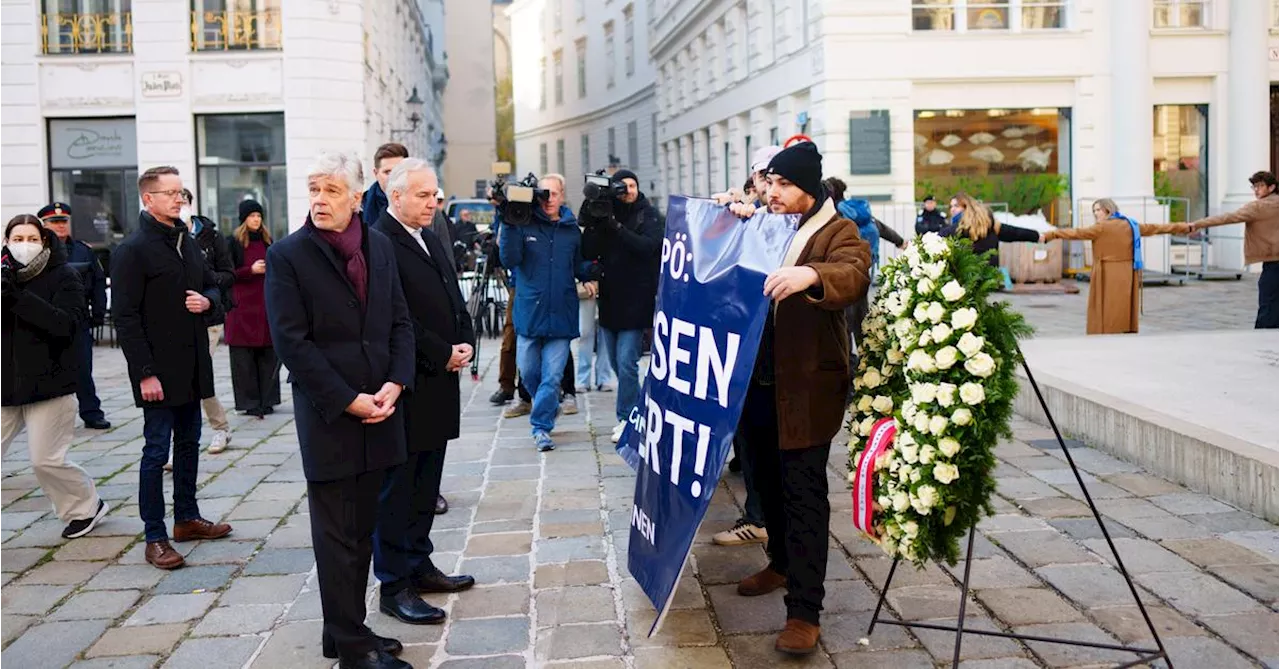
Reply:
x=166 y=193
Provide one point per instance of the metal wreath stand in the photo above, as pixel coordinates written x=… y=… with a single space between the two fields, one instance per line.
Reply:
x=1148 y=654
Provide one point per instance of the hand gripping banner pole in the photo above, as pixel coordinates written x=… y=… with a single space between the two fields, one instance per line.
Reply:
x=1147 y=654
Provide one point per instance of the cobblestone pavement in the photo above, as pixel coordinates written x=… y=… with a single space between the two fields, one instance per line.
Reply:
x=546 y=537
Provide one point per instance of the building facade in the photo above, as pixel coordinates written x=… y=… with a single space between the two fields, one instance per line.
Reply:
x=1061 y=100
x=240 y=100
x=584 y=90
x=469 y=101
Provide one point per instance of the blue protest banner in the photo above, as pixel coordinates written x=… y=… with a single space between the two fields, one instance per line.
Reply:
x=710 y=313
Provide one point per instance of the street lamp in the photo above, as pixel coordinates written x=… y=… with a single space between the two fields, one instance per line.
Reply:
x=415 y=119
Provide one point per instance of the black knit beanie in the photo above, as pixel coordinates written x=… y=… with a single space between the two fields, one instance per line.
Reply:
x=626 y=174
x=248 y=207
x=801 y=164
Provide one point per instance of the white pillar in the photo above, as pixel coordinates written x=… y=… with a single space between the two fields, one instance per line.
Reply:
x=1131 y=132
x=1247 y=110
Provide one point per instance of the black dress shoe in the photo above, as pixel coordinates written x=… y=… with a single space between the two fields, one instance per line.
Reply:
x=499 y=398
x=98 y=424
x=408 y=607
x=438 y=582
x=374 y=659
x=388 y=645
x=442 y=505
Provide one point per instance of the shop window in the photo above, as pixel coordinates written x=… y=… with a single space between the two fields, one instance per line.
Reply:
x=242 y=157
x=1180 y=153
x=235 y=25
x=86 y=26
x=967 y=15
x=94 y=168
x=1180 y=13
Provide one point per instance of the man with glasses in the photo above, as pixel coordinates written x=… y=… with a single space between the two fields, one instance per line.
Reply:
x=57 y=217
x=162 y=291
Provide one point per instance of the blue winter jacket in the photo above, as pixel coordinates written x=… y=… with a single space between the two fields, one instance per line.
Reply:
x=545 y=258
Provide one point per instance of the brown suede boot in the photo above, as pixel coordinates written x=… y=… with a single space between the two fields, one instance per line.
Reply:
x=798 y=638
x=761 y=583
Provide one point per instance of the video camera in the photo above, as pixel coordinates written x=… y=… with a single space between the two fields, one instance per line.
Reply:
x=599 y=191
x=515 y=200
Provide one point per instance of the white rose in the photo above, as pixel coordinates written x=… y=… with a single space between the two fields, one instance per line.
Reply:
x=962 y=416
x=904 y=473
x=920 y=361
x=908 y=412
x=882 y=404
x=935 y=270
x=921 y=422
x=911 y=454
x=925 y=339
x=910 y=528
x=883 y=502
x=981 y=365
x=928 y=496
x=899 y=304
x=922 y=393
x=894 y=463
x=946 y=357
x=916 y=476
x=883 y=461
x=865 y=427
x=904 y=438
x=901 y=502
x=872 y=378
x=941 y=333
x=889 y=546
x=924 y=286
x=946 y=395
x=937 y=425
x=921 y=312
x=969 y=344
x=894 y=356
x=852 y=475
x=945 y=473
x=902 y=328
x=964 y=319
x=912 y=255
x=935 y=244
x=864 y=403
x=935 y=312
x=949 y=446
x=927 y=454
x=972 y=393
x=952 y=291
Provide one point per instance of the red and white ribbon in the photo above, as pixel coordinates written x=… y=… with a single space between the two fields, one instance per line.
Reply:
x=878 y=442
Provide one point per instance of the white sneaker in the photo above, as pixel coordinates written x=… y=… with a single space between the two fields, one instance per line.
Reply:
x=221 y=438
x=743 y=532
x=569 y=405
x=617 y=431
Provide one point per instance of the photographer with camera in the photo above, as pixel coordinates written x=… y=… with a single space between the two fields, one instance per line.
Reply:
x=539 y=241
x=622 y=233
x=44 y=313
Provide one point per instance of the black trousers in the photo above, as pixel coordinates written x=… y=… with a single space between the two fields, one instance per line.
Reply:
x=86 y=391
x=406 y=511
x=253 y=377
x=1268 y=297
x=343 y=516
x=792 y=485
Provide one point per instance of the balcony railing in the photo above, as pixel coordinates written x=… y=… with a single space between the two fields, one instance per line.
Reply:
x=235 y=30
x=67 y=33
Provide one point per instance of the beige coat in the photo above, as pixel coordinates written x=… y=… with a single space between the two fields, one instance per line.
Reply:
x=1261 y=220
x=1115 y=288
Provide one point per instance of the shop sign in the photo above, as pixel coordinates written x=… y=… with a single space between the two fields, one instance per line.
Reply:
x=96 y=142
x=869 y=143
x=161 y=84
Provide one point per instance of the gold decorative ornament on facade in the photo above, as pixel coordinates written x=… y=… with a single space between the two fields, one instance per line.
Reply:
x=86 y=33
x=235 y=30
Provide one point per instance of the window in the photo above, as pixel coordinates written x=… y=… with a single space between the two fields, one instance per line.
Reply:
x=773 y=136
x=235 y=25
x=557 y=21
x=1180 y=14
x=1044 y=14
x=706 y=146
x=987 y=15
x=557 y=59
x=633 y=145
x=967 y=15
x=242 y=156
x=610 y=60
x=629 y=40
x=746 y=153
x=560 y=156
x=93 y=166
x=613 y=148
x=542 y=83
x=1180 y=142
x=725 y=160
x=542 y=159
x=586 y=152
x=87 y=26
x=580 y=52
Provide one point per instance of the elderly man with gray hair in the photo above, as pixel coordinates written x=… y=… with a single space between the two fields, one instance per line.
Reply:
x=340 y=324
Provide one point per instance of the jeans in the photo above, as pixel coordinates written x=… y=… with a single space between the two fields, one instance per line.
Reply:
x=542 y=361
x=86 y=391
x=589 y=346
x=160 y=426
x=623 y=348
x=1268 y=297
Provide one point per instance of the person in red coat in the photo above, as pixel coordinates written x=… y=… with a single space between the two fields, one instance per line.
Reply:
x=254 y=378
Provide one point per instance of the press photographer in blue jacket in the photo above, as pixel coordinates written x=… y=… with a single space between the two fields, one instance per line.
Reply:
x=545 y=256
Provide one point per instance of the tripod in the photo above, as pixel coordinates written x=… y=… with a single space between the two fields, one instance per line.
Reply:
x=487 y=303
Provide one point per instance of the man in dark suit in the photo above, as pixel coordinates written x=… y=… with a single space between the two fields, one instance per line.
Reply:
x=57 y=217
x=339 y=323
x=444 y=344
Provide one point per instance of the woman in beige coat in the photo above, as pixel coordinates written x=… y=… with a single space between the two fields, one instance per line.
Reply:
x=1115 y=283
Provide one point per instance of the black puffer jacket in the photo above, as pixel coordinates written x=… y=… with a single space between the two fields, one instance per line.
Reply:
x=217 y=256
x=628 y=257
x=41 y=318
x=930 y=221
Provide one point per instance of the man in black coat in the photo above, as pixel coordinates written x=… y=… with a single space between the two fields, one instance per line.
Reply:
x=628 y=248
x=930 y=219
x=444 y=344
x=217 y=255
x=340 y=324
x=80 y=257
x=161 y=293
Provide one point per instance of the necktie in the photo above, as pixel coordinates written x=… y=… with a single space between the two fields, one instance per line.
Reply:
x=417 y=236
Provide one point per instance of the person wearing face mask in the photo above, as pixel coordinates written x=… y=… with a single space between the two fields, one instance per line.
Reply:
x=43 y=313
x=217 y=257
x=57 y=217
x=253 y=361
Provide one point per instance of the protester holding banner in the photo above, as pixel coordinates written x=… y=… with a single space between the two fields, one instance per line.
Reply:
x=795 y=401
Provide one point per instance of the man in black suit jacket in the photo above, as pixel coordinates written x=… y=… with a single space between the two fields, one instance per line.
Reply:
x=340 y=324
x=444 y=344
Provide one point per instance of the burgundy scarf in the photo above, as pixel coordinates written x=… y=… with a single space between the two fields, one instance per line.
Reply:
x=347 y=244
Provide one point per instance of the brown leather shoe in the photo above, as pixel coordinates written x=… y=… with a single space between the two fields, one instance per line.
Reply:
x=798 y=638
x=190 y=530
x=761 y=583
x=162 y=555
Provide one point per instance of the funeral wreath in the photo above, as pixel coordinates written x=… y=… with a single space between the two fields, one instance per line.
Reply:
x=934 y=393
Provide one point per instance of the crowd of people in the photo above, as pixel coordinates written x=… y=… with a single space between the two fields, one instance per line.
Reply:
x=362 y=306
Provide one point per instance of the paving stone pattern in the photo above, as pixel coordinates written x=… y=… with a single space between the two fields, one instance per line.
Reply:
x=546 y=537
